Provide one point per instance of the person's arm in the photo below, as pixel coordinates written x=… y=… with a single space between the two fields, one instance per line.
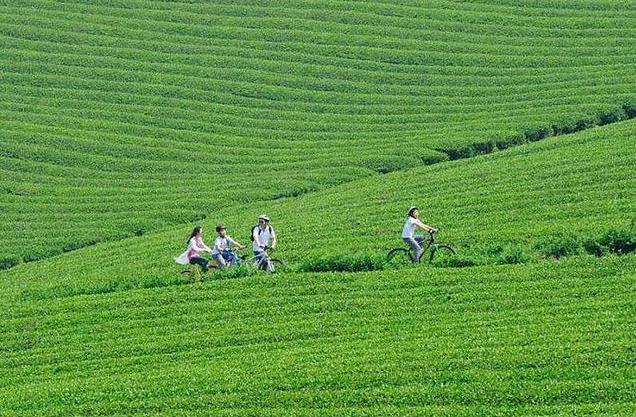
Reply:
x=235 y=243
x=423 y=226
x=206 y=247
x=273 y=236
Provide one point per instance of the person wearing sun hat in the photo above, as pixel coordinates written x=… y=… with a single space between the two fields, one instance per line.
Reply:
x=263 y=237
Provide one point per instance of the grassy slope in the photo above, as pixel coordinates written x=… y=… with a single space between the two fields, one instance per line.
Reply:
x=117 y=121
x=534 y=339
x=537 y=339
x=581 y=184
x=541 y=339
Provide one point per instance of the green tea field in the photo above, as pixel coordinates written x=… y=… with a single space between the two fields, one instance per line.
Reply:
x=124 y=124
x=123 y=118
x=510 y=340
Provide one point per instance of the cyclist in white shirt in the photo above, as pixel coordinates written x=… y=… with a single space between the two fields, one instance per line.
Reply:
x=263 y=236
x=415 y=241
x=222 y=249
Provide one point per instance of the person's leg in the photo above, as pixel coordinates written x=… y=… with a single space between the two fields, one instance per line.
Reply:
x=234 y=259
x=423 y=241
x=203 y=263
x=262 y=260
x=230 y=257
x=270 y=265
x=219 y=259
x=417 y=249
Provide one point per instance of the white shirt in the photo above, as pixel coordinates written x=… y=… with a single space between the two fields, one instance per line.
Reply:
x=262 y=237
x=222 y=244
x=410 y=225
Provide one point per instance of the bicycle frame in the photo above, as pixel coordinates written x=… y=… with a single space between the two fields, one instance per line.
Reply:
x=429 y=245
x=260 y=262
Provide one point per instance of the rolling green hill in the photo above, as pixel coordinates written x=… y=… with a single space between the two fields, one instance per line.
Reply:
x=123 y=124
x=110 y=329
x=523 y=340
x=581 y=185
x=119 y=119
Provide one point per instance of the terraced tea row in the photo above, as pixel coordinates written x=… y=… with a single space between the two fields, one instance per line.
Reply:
x=123 y=120
x=532 y=340
x=507 y=201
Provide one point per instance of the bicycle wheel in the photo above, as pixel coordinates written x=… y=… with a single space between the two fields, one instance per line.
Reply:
x=441 y=254
x=278 y=264
x=399 y=256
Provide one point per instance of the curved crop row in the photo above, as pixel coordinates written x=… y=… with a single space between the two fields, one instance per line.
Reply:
x=539 y=340
x=507 y=201
x=168 y=112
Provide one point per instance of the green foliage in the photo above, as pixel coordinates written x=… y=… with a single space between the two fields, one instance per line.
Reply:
x=74 y=245
x=586 y=123
x=296 y=343
x=630 y=109
x=471 y=150
x=593 y=247
x=39 y=254
x=385 y=164
x=558 y=245
x=7 y=262
x=233 y=272
x=513 y=254
x=460 y=261
x=124 y=124
x=564 y=125
x=612 y=116
x=536 y=133
x=432 y=157
x=616 y=241
x=510 y=199
x=343 y=263
x=504 y=140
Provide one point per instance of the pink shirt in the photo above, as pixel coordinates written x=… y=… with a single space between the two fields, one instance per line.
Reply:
x=195 y=245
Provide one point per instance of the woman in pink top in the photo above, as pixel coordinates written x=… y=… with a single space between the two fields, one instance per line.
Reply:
x=195 y=246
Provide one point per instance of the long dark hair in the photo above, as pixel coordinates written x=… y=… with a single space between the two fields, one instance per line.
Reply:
x=194 y=233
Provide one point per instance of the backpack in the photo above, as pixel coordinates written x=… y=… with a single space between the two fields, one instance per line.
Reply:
x=269 y=227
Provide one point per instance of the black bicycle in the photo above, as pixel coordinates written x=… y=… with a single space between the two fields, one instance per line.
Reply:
x=436 y=251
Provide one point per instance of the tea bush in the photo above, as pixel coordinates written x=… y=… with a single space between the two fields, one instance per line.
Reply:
x=233 y=272
x=125 y=122
x=461 y=261
x=513 y=254
x=536 y=133
x=7 y=262
x=337 y=343
x=343 y=263
x=559 y=245
x=620 y=241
